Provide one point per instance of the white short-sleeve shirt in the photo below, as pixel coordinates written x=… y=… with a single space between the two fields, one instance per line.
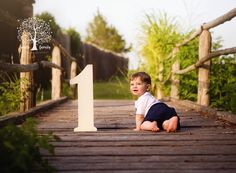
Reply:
x=144 y=103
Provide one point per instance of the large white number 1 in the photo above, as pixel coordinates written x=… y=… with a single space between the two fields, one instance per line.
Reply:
x=85 y=99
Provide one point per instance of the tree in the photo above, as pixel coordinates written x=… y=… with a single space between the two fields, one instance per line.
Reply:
x=75 y=41
x=159 y=38
x=76 y=46
x=49 y=18
x=39 y=31
x=188 y=55
x=105 y=36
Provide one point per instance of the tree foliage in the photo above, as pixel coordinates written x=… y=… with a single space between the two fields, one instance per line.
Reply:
x=49 y=18
x=160 y=37
x=10 y=95
x=76 y=44
x=223 y=80
x=20 y=148
x=105 y=36
x=188 y=55
x=223 y=83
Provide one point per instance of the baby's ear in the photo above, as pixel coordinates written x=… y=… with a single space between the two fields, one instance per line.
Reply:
x=148 y=87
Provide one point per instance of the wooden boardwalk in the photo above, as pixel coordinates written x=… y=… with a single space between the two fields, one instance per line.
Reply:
x=203 y=145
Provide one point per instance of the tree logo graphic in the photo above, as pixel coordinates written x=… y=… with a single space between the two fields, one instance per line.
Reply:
x=39 y=31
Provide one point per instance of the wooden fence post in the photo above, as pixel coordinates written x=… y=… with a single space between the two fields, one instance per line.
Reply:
x=160 y=94
x=26 y=77
x=56 y=74
x=204 y=71
x=174 y=93
x=73 y=73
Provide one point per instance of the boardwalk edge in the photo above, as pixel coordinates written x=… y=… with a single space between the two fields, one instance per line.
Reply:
x=207 y=111
x=19 y=117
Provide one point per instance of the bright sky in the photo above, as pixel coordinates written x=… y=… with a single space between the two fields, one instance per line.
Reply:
x=127 y=16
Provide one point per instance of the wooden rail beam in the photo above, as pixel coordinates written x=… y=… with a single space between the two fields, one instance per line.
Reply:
x=51 y=65
x=206 y=26
x=220 y=20
x=206 y=58
x=27 y=67
x=18 y=67
x=63 y=50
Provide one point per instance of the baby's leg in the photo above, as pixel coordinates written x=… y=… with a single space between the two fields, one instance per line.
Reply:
x=171 y=124
x=148 y=125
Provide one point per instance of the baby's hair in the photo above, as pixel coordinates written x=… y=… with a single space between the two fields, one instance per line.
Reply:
x=143 y=76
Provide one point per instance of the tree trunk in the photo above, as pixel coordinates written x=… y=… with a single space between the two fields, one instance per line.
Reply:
x=204 y=70
x=56 y=74
x=26 y=77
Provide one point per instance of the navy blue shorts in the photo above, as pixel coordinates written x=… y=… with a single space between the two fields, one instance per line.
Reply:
x=160 y=112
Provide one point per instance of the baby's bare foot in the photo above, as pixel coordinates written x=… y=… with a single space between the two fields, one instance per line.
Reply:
x=154 y=126
x=172 y=124
x=137 y=129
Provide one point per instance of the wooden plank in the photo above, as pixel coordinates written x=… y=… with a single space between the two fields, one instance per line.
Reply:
x=149 y=171
x=142 y=137
x=147 y=166
x=202 y=145
x=144 y=158
x=150 y=150
x=126 y=143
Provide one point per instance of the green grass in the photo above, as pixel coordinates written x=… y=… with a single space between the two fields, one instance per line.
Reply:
x=116 y=88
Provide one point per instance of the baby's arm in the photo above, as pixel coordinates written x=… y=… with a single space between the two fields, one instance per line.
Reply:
x=139 y=119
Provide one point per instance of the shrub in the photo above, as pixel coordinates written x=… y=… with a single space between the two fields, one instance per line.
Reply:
x=10 y=96
x=20 y=148
x=223 y=83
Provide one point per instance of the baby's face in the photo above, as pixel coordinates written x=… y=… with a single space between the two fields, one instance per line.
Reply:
x=138 y=87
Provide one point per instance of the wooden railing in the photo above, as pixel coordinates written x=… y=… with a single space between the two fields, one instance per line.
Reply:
x=27 y=66
x=205 y=55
